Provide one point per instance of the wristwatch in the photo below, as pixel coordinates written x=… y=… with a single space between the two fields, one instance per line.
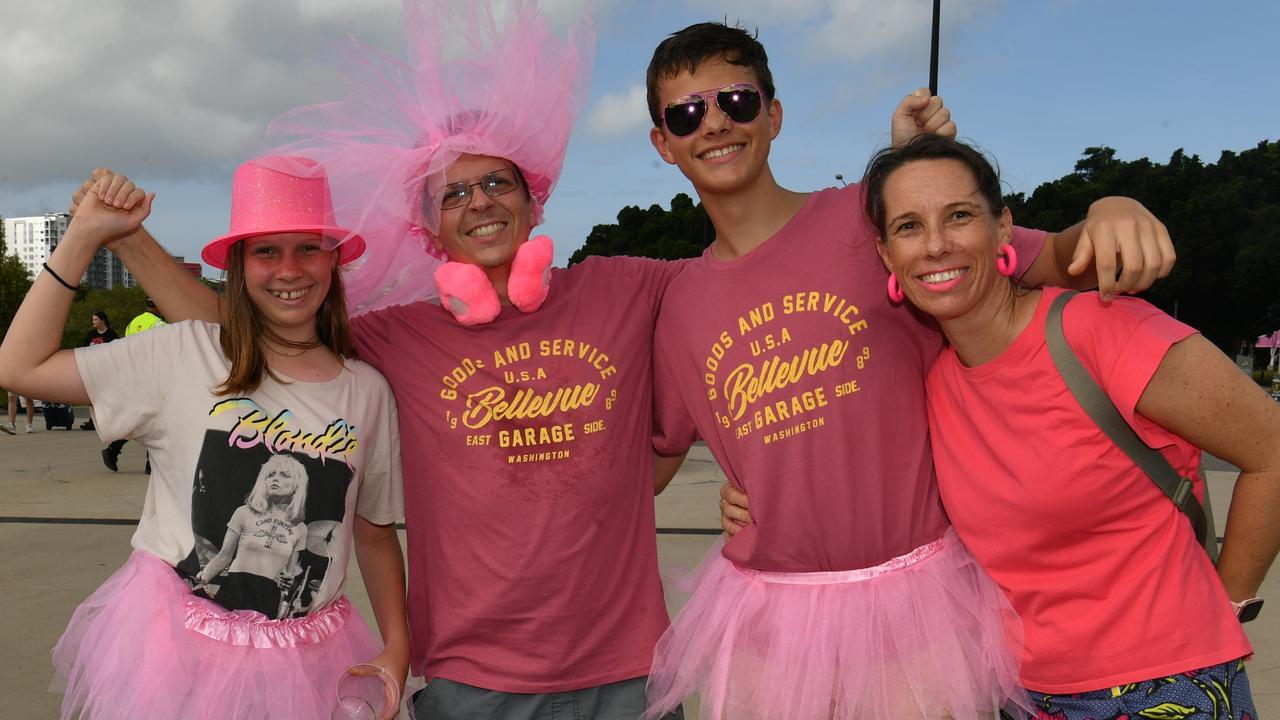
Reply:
x=1247 y=610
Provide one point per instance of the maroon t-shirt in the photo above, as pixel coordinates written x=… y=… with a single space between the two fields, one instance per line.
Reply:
x=808 y=386
x=528 y=479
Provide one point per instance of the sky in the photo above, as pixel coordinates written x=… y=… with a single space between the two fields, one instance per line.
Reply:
x=177 y=93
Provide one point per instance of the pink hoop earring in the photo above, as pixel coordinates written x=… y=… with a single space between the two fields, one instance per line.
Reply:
x=895 y=292
x=1007 y=260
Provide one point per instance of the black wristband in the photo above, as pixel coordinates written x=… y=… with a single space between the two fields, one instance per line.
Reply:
x=58 y=277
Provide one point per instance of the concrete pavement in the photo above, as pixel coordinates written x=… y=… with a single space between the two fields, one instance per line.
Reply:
x=65 y=524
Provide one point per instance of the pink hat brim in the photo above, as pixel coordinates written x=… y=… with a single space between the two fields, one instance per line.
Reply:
x=351 y=247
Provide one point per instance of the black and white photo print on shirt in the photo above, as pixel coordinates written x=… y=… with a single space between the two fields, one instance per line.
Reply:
x=266 y=523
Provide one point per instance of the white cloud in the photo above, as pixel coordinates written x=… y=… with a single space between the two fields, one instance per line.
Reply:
x=619 y=114
x=175 y=90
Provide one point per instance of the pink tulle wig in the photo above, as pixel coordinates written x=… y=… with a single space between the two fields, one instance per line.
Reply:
x=479 y=80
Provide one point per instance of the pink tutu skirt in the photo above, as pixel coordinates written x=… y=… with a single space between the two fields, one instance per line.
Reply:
x=925 y=635
x=143 y=647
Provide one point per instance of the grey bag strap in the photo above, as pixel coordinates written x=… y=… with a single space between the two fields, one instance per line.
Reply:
x=1104 y=414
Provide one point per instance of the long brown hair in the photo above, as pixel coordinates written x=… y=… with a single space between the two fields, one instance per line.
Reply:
x=245 y=333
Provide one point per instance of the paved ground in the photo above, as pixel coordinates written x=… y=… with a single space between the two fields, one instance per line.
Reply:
x=65 y=523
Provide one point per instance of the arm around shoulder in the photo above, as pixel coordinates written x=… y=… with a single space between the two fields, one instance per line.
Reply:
x=1119 y=247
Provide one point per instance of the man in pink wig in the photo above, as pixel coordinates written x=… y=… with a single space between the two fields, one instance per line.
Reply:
x=525 y=393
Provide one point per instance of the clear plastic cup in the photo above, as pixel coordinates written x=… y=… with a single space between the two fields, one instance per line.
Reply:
x=366 y=692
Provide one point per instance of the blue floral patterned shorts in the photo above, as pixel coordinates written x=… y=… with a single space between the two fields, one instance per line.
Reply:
x=1220 y=692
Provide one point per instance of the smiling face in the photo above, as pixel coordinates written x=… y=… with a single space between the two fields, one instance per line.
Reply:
x=721 y=156
x=941 y=238
x=287 y=277
x=98 y=324
x=485 y=231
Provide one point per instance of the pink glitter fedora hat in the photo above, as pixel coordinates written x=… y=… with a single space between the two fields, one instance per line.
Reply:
x=279 y=194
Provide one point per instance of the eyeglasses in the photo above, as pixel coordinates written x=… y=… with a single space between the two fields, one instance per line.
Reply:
x=740 y=102
x=498 y=182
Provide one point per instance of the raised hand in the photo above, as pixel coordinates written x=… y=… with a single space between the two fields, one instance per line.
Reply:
x=112 y=208
x=78 y=195
x=921 y=113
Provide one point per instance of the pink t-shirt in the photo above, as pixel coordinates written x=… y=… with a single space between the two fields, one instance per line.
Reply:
x=808 y=386
x=529 y=481
x=1104 y=570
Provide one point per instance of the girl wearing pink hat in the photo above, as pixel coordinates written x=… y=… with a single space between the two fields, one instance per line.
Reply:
x=227 y=608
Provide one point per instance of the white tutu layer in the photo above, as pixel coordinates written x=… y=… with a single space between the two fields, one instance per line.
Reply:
x=925 y=635
x=142 y=647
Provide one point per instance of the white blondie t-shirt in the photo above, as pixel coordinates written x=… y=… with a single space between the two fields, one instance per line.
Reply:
x=281 y=472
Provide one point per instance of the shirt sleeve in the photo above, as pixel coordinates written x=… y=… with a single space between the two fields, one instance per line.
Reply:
x=648 y=276
x=658 y=274
x=673 y=427
x=369 y=333
x=241 y=520
x=1027 y=243
x=380 y=499
x=128 y=381
x=1121 y=343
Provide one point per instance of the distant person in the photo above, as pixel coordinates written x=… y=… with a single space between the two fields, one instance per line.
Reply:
x=11 y=427
x=144 y=321
x=100 y=333
x=148 y=319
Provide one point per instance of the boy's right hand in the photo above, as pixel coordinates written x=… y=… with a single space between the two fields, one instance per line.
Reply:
x=733 y=510
x=920 y=113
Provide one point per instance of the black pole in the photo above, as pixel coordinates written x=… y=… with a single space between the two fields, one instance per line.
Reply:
x=933 y=48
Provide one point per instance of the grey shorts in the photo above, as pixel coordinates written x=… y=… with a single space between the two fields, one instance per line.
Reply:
x=443 y=699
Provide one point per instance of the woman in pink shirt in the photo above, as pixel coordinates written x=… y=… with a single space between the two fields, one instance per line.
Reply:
x=1124 y=614
x=1123 y=611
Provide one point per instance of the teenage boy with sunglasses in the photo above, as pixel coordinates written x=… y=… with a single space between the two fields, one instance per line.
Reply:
x=779 y=348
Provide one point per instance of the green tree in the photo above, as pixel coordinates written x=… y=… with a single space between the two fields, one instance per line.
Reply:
x=1223 y=217
x=14 y=284
x=681 y=232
